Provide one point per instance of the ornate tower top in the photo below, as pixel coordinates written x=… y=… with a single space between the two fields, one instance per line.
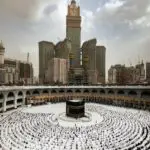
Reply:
x=73 y=9
x=73 y=2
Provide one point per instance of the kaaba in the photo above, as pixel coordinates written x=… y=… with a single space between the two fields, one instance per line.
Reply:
x=75 y=108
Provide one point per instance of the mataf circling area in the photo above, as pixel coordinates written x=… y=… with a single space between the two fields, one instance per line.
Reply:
x=41 y=128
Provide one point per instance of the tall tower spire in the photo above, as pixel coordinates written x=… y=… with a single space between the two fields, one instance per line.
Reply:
x=73 y=2
x=73 y=30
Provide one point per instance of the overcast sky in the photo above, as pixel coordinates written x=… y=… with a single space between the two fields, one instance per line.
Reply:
x=122 y=26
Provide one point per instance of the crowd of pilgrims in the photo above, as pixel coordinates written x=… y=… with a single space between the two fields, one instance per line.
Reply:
x=42 y=131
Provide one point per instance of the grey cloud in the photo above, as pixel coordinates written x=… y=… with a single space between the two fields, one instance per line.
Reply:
x=121 y=21
x=116 y=28
x=49 y=9
x=21 y=28
x=89 y=5
x=19 y=8
x=129 y=11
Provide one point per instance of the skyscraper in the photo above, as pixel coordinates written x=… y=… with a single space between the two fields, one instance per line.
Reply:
x=82 y=67
x=57 y=71
x=62 y=49
x=73 y=30
x=100 y=63
x=148 y=72
x=46 y=53
x=89 y=52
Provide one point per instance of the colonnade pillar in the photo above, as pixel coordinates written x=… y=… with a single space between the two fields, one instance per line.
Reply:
x=126 y=93
x=115 y=92
x=15 y=101
x=4 y=102
x=23 y=98
x=139 y=94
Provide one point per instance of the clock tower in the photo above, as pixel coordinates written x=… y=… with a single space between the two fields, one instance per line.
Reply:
x=73 y=31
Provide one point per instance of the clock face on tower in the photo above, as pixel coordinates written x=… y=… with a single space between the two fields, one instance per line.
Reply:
x=73 y=12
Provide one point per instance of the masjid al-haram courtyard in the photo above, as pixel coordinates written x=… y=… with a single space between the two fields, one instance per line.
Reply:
x=79 y=114
x=47 y=127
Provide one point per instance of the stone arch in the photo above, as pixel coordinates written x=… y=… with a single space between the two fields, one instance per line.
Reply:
x=1 y=96
x=20 y=93
x=53 y=91
x=69 y=91
x=45 y=91
x=132 y=93
x=102 y=91
x=145 y=94
x=10 y=94
x=10 y=98
x=78 y=91
x=35 y=92
x=121 y=92
x=94 y=90
x=28 y=93
x=61 y=91
x=86 y=91
x=111 y=92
